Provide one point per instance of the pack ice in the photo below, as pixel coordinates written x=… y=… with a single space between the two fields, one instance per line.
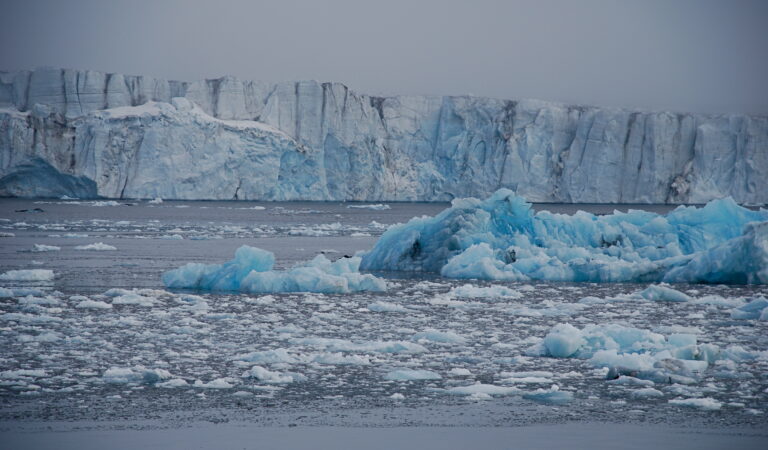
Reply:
x=251 y=271
x=501 y=238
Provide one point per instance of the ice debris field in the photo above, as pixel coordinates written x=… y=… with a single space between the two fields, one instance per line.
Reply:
x=486 y=302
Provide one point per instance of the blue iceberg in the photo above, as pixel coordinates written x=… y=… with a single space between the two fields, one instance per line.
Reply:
x=501 y=238
x=251 y=271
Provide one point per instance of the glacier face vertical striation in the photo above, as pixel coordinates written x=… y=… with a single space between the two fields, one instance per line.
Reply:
x=141 y=137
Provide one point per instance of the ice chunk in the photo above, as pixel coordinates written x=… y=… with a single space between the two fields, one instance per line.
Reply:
x=120 y=375
x=376 y=207
x=279 y=355
x=757 y=308
x=563 y=341
x=382 y=306
x=219 y=383
x=38 y=248
x=27 y=275
x=661 y=293
x=552 y=396
x=251 y=271
x=502 y=239
x=481 y=388
x=443 y=337
x=470 y=291
x=411 y=374
x=707 y=403
x=271 y=377
x=646 y=393
x=98 y=246
x=93 y=304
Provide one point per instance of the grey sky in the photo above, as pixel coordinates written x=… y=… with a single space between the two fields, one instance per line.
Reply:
x=682 y=55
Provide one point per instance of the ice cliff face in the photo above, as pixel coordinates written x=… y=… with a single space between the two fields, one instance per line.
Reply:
x=225 y=138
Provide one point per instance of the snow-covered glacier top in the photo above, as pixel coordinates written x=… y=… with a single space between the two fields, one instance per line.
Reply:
x=93 y=133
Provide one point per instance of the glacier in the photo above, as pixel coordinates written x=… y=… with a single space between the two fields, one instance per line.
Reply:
x=86 y=134
x=251 y=272
x=501 y=238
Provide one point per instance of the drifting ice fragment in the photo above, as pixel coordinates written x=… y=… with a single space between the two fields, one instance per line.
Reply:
x=251 y=271
x=502 y=239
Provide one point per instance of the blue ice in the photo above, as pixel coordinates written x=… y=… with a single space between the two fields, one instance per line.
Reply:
x=501 y=238
x=251 y=271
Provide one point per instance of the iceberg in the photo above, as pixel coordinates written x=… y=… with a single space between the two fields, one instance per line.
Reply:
x=501 y=238
x=251 y=272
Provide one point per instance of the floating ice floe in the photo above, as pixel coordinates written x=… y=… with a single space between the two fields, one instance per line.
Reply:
x=376 y=207
x=411 y=375
x=757 y=308
x=27 y=275
x=38 y=248
x=501 y=238
x=251 y=271
x=98 y=246
x=636 y=353
x=137 y=375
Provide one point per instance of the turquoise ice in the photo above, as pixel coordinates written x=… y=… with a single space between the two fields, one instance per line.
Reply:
x=501 y=238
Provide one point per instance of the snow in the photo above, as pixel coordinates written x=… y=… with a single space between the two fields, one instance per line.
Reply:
x=27 y=275
x=411 y=375
x=251 y=272
x=502 y=239
x=98 y=246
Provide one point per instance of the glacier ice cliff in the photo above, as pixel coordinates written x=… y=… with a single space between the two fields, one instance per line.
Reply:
x=501 y=238
x=136 y=136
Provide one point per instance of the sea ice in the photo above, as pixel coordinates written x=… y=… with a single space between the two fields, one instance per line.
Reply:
x=757 y=308
x=38 y=248
x=660 y=293
x=135 y=375
x=706 y=403
x=502 y=239
x=98 y=246
x=27 y=275
x=251 y=271
x=411 y=375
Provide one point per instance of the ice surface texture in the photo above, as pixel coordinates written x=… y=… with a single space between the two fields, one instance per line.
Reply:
x=633 y=354
x=132 y=136
x=251 y=271
x=502 y=239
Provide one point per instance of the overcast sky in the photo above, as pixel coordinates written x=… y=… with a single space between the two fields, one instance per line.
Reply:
x=680 y=55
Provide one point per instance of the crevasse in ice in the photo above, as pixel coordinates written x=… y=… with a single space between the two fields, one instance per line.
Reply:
x=501 y=238
x=251 y=271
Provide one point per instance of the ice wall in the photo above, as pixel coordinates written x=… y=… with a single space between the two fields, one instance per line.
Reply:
x=348 y=146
